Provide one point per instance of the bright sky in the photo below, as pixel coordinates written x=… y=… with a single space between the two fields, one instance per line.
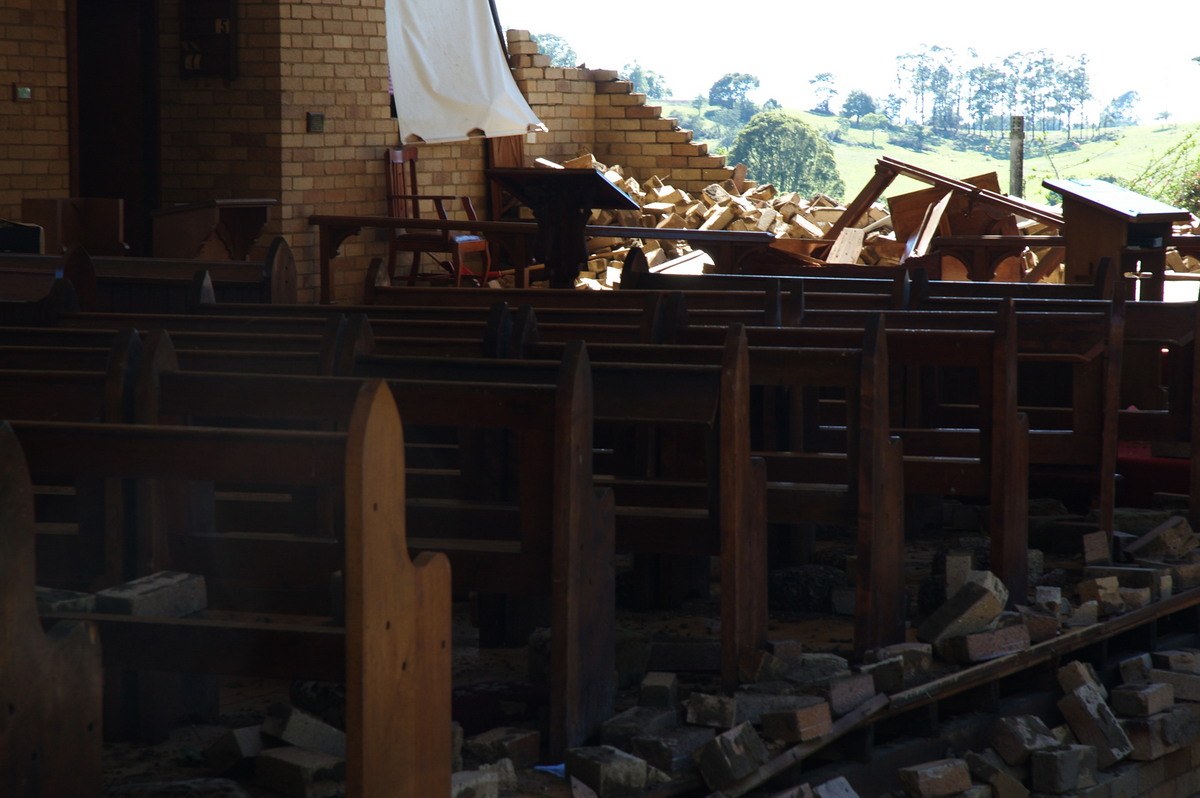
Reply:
x=1147 y=47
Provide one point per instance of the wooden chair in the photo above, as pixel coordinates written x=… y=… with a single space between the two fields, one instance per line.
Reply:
x=404 y=201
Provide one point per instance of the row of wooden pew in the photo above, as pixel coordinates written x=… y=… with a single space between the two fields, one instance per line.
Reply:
x=547 y=431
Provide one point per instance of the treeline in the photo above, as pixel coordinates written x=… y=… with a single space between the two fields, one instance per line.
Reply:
x=938 y=87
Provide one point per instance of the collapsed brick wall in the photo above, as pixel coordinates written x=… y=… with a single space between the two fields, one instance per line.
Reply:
x=592 y=110
x=34 y=133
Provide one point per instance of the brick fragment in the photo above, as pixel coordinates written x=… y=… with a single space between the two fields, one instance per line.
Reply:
x=846 y=693
x=1141 y=699
x=1136 y=668
x=985 y=645
x=671 y=750
x=1041 y=625
x=521 y=746
x=609 y=771
x=1094 y=724
x=1186 y=685
x=757 y=665
x=1105 y=591
x=788 y=650
x=1065 y=769
x=1172 y=538
x=166 y=594
x=1086 y=614
x=234 y=751
x=1178 y=660
x=991 y=770
x=800 y=724
x=621 y=728
x=659 y=689
x=1075 y=673
x=935 y=779
x=304 y=730
x=1096 y=549
x=300 y=772
x=731 y=756
x=1016 y=737
x=717 y=711
x=975 y=606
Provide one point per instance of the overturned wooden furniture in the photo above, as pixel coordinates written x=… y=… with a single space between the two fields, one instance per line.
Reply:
x=50 y=682
x=394 y=650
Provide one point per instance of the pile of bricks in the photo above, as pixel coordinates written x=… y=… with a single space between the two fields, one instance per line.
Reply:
x=734 y=205
x=1140 y=738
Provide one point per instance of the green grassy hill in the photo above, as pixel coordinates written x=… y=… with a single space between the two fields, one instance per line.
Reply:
x=1127 y=156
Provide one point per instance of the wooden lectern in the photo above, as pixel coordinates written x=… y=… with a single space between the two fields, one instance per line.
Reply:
x=561 y=201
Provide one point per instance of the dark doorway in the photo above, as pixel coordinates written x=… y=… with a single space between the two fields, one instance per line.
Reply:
x=115 y=97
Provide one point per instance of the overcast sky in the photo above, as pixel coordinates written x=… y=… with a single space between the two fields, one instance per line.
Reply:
x=1145 y=47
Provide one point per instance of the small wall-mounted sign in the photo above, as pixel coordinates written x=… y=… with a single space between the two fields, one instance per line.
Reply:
x=315 y=122
x=208 y=38
x=22 y=93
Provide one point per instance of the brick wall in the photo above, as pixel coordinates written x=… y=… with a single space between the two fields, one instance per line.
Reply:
x=34 y=135
x=250 y=137
x=591 y=110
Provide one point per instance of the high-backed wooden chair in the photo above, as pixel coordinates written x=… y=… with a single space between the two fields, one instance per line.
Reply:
x=405 y=201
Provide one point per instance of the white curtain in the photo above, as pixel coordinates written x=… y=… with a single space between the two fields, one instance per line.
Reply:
x=449 y=76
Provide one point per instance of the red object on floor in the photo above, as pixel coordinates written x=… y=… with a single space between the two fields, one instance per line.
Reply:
x=1142 y=474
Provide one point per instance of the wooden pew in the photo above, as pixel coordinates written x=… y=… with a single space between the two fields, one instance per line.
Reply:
x=553 y=536
x=394 y=650
x=81 y=521
x=711 y=402
x=50 y=683
x=983 y=455
x=124 y=283
x=1069 y=371
x=806 y=483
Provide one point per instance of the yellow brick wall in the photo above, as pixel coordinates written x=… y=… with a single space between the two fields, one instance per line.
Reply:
x=592 y=110
x=34 y=134
x=249 y=137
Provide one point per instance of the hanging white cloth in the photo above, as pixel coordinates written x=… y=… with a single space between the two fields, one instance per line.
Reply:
x=449 y=77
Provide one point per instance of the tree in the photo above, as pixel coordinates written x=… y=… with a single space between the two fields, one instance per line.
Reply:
x=873 y=122
x=857 y=105
x=645 y=81
x=560 y=52
x=823 y=87
x=1120 y=111
x=731 y=90
x=783 y=150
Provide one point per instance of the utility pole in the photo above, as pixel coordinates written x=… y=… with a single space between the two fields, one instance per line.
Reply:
x=1016 y=157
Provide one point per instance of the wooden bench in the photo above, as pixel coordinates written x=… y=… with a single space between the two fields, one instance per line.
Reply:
x=165 y=284
x=50 y=683
x=806 y=483
x=394 y=650
x=81 y=522
x=1069 y=369
x=985 y=455
x=551 y=535
x=709 y=402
